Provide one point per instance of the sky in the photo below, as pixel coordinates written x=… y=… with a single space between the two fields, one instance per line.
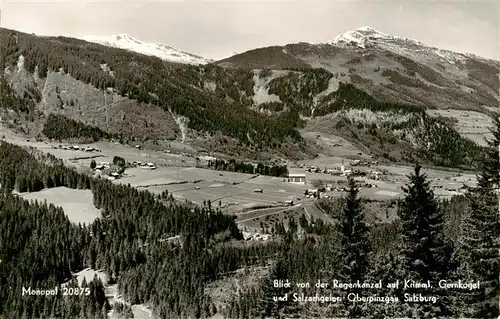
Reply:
x=218 y=29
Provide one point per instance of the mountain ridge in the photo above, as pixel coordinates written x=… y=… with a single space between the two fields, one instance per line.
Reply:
x=259 y=109
x=163 y=51
x=369 y=36
x=389 y=67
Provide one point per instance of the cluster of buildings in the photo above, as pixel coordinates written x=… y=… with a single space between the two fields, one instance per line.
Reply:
x=144 y=165
x=317 y=192
x=341 y=171
x=106 y=165
x=77 y=148
x=300 y=178
x=102 y=166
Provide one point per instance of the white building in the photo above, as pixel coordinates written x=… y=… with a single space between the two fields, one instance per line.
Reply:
x=297 y=178
x=347 y=172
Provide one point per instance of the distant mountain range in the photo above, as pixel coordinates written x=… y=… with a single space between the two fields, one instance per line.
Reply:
x=390 y=68
x=366 y=37
x=163 y=51
x=373 y=89
x=363 y=38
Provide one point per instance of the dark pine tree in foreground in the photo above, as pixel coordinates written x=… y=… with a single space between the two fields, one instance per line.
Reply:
x=272 y=305
x=427 y=256
x=489 y=166
x=479 y=257
x=355 y=244
x=479 y=240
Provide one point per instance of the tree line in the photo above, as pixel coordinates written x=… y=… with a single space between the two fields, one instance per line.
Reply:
x=59 y=127
x=248 y=168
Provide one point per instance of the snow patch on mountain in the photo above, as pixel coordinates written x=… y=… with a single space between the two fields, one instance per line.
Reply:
x=160 y=50
x=367 y=37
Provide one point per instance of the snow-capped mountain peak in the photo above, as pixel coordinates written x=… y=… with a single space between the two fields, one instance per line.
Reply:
x=125 y=37
x=367 y=37
x=163 y=51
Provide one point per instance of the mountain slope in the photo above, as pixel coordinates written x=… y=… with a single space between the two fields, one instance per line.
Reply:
x=244 y=112
x=49 y=72
x=163 y=51
x=366 y=37
x=390 y=68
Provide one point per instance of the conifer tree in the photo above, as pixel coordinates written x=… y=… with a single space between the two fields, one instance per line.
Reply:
x=489 y=167
x=479 y=242
x=355 y=237
x=268 y=306
x=355 y=242
x=479 y=257
x=427 y=257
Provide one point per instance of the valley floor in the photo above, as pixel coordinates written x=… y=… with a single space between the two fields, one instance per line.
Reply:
x=234 y=193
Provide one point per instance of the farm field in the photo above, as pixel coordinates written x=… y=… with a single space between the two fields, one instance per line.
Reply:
x=470 y=124
x=198 y=185
x=235 y=192
x=76 y=203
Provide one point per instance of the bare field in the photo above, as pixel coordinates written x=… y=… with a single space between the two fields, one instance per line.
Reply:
x=259 y=213
x=76 y=203
x=269 y=217
x=168 y=174
x=251 y=220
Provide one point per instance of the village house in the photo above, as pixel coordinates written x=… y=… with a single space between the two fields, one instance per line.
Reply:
x=297 y=178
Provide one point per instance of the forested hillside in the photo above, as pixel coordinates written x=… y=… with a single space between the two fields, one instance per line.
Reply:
x=40 y=248
x=147 y=80
x=182 y=260
x=388 y=67
x=211 y=100
x=59 y=127
x=398 y=132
